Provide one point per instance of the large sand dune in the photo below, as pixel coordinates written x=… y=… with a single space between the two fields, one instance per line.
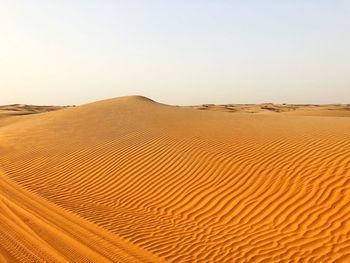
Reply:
x=132 y=180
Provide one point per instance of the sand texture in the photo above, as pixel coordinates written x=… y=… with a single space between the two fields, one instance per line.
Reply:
x=132 y=180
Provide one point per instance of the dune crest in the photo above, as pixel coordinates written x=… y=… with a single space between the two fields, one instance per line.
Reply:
x=132 y=180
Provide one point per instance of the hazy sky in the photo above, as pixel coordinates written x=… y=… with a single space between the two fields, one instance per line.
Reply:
x=176 y=52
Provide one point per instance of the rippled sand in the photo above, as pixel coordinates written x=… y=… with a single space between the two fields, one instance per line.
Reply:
x=132 y=180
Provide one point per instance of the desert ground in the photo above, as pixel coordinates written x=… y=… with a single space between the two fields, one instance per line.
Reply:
x=132 y=180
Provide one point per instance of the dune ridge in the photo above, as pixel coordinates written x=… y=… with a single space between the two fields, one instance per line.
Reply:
x=162 y=183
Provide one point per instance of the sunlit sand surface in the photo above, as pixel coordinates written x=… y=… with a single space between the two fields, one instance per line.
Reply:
x=132 y=180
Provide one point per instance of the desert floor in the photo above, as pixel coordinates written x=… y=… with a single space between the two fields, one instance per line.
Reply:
x=132 y=180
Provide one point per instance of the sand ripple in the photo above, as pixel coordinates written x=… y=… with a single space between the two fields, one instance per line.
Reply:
x=128 y=180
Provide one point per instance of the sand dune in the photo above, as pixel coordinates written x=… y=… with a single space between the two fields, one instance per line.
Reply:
x=15 y=112
x=132 y=180
x=23 y=109
x=335 y=110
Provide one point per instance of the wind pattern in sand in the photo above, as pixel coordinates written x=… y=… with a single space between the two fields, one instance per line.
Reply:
x=131 y=180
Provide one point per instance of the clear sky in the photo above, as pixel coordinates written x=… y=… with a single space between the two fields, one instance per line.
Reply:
x=176 y=52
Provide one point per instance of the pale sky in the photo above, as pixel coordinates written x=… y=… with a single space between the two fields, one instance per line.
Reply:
x=176 y=52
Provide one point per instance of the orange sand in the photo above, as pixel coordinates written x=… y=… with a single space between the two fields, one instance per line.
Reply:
x=131 y=180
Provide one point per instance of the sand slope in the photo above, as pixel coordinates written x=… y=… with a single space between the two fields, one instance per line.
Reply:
x=131 y=180
x=16 y=112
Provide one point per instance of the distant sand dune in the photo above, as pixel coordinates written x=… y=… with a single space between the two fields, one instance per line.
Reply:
x=131 y=180
x=335 y=110
x=16 y=112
